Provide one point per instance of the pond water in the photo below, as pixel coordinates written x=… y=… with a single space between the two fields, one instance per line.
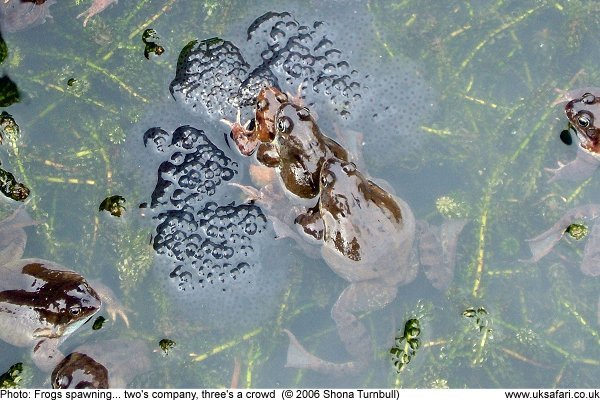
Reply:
x=452 y=104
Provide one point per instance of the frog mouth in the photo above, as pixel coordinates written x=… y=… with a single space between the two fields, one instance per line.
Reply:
x=589 y=139
x=59 y=330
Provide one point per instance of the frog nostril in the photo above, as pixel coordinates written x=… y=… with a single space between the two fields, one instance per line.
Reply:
x=284 y=124
x=349 y=168
x=588 y=98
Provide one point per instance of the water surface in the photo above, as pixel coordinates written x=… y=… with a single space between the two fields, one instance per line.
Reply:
x=466 y=93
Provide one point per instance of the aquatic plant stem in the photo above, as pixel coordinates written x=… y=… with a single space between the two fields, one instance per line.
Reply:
x=226 y=346
x=493 y=34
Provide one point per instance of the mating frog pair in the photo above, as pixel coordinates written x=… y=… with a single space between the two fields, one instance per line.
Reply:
x=365 y=234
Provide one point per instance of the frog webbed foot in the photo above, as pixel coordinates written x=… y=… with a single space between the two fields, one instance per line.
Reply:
x=297 y=98
x=113 y=306
x=299 y=357
x=357 y=298
x=12 y=236
x=543 y=244
x=437 y=251
x=581 y=168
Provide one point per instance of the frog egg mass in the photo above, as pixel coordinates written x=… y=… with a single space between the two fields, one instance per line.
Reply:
x=210 y=250
x=215 y=252
x=352 y=83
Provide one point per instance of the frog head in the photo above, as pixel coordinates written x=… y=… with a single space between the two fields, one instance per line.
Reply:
x=581 y=112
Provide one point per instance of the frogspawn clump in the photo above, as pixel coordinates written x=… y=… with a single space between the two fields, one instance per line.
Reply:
x=350 y=83
x=210 y=249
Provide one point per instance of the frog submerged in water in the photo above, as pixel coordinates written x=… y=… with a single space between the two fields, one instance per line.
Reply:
x=366 y=237
x=581 y=109
x=103 y=365
x=41 y=302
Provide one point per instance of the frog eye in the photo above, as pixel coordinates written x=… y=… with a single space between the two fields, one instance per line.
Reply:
x=584 y=119
x=262 y=105
x=588 y=98
x=284 y=124
x=349 y=168
x=74 y=311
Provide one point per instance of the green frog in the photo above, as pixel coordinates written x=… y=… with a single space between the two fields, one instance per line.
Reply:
x=582 y=107
x=41 y=302
x=298 y=150
x=366 y=236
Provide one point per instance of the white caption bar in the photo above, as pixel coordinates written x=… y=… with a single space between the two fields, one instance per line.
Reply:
x=286 y=394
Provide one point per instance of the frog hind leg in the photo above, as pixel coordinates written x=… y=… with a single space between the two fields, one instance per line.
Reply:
x=357 y=298
x=437 y=251
x=46 y=355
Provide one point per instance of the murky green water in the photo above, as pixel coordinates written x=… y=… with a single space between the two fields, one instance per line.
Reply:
x=491 y=71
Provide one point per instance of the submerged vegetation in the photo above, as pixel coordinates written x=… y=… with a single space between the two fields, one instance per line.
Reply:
x=494 y=130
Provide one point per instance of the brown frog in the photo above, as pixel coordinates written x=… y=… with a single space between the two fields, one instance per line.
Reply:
x=366 y=236
x=41 y=302
x=298 y=150
x=581 y=109
x=103 y=365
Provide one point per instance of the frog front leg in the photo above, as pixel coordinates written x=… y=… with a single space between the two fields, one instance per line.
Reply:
x=581 y=168
x=543 y=244
x=12 y=236
x=112 y=304
x=46 y=355
x=437 y=250
x=97 y=7
x=357 y=298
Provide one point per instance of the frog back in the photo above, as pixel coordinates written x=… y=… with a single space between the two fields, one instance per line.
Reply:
x=385 y=246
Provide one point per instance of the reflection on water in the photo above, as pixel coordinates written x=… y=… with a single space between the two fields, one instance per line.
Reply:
x=469 y=118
